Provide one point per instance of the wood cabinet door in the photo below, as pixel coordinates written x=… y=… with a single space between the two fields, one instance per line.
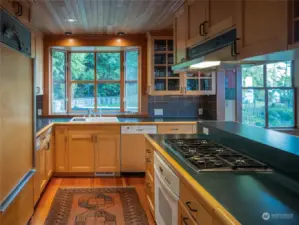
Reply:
x=132 y=153
x=180 y=34
x=196 y=16
x=42 y=168
x=81 y=151
x=61 y=151
x=49 y=160
x=107 y=157
x=261 y=27
x=37 y=181
x=221 y=15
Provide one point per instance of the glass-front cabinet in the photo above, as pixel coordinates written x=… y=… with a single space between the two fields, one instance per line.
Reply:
x=162 y=80
x=199 y=83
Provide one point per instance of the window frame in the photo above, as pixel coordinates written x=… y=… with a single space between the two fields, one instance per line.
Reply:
x=68 y=81
x=266 y=90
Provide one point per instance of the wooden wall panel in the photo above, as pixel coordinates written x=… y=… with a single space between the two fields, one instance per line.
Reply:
x=138 y=40
x=16 y=115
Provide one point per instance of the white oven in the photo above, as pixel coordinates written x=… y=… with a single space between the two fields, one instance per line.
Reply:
x=167 y=190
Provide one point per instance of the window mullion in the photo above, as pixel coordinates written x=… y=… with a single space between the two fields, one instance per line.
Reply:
x=95 y=83
x=266 y=96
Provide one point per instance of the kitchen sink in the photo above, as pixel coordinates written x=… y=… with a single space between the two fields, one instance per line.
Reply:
x=95 y=119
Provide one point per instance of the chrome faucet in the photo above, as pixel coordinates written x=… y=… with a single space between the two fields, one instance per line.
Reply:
x=89 y=111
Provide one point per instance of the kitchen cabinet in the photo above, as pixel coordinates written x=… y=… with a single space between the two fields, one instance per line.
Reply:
x=294 y=23
x=177 y=129
x=20 y=210
x=81 y=151
x=133 y=153
x=199 y=83
x=49 y=156
x=184 y=217
x=61 y=149
x=259 y=32
x=37 y=180
x=196 y=210
x=197 y=11
x=209 y=18
x=161 y=79
x=42 y=168
x=38 y=62
x=180 y=30
x=149 y=178
x=107 y=153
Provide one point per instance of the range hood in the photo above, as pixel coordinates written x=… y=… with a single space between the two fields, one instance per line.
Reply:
x=212 y=53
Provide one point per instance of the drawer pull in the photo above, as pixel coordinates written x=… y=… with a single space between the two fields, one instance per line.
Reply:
x=148 y=185
x=160 y=168
x=189 y=207
x=148 y=160
x=185 y=220
x=148 y=151
x=175 y=129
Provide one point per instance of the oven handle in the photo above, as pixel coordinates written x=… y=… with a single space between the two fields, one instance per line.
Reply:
x=164 y=185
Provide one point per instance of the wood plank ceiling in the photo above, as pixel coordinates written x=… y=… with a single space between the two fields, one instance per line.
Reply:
x=103 y=16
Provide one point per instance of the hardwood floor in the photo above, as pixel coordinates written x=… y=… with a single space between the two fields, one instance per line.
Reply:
x=43 y=207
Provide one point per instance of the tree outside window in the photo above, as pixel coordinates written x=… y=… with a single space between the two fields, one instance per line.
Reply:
x=268 y=95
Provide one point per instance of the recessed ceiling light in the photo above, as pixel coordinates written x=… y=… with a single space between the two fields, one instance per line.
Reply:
x=121 y=33
x=71 y=20
x=68 y=33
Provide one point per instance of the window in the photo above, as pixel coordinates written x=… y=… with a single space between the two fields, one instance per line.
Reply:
x=268 y=95
x=58 y=81
x=95 y=80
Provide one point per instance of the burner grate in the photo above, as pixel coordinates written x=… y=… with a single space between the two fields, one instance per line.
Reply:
x=205 y=154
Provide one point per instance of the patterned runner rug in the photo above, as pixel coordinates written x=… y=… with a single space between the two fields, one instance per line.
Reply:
x=96 y=206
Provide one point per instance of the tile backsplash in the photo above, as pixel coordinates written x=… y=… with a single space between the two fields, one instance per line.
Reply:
x=182 y=106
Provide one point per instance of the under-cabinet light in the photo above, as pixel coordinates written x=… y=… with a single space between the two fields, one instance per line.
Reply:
x=205 y=64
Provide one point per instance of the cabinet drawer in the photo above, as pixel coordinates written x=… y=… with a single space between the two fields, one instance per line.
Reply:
x=176 y=129
x=149 y=188
x=149 y=160
x=198 y=212
x=184 y=217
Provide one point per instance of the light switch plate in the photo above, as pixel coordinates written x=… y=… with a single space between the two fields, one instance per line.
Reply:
x=158 y=112
x=206 y=131
x=200 y=111
x=39 y=112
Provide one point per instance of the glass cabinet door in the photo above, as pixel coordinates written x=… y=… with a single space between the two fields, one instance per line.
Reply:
x=200 y=83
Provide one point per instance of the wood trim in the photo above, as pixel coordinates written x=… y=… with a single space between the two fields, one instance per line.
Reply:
x=122 y=81
x=204 y=197
x=138 y=40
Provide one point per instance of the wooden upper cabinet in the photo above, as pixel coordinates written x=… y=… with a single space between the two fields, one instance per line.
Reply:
x=180 y=27
x=262 y=27
x=220 y=16
x=81 y=151
x=61 y=150
x=196 y=17
x=107 y=153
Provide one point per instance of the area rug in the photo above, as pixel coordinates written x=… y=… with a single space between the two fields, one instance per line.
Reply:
x=96 y=206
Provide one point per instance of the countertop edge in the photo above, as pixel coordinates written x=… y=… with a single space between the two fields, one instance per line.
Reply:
x=52 y=124
x=212 y=205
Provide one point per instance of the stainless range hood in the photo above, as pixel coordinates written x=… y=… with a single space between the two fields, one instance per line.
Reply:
x=214 y=59
x=211 y=53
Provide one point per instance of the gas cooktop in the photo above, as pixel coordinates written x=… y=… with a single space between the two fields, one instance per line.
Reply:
x=207 y=155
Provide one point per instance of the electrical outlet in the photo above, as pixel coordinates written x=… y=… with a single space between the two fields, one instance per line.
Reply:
x=158 y=112
x=200 y=111
x=39 y=112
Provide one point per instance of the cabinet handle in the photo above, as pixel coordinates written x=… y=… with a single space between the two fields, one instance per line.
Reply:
x=175 y=129
x=148 y=185
x=148 y=160
x=185 y=220
x=160 y=168
x=201 y=33
x=204 y=27
x=148 y=151
x=189 y=207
